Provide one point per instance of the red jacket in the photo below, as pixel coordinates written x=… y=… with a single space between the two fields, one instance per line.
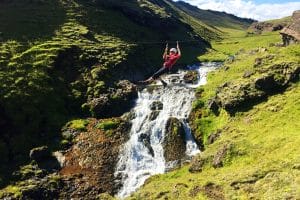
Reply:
x=170 y=60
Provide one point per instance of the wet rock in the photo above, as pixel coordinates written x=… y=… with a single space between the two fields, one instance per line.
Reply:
x=191 y=77
x=156 y=105
x=220 y=156
x=174 y=143
x=40 y=153
x=153 y=115
x=145 y=139
x=214 y=136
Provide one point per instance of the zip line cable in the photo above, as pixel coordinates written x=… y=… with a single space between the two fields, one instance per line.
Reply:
x=130 y=44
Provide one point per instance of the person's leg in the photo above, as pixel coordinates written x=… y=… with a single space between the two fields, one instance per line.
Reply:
x=156 y=75
x=159 y=72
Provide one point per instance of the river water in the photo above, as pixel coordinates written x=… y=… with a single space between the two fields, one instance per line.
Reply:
x=138 y=159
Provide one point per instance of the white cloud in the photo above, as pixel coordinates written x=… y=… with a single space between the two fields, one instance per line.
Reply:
x=249 y=9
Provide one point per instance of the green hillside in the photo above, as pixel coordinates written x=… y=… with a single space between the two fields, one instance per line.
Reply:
x=66 y=73
x=58 y=57
x=214 y=18
x=249 y=151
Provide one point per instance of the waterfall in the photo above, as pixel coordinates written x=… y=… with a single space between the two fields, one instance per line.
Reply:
x=143 y=155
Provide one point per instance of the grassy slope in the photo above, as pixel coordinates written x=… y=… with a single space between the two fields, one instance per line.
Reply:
x=263 y=162
x=235 y=40
x=55 y=55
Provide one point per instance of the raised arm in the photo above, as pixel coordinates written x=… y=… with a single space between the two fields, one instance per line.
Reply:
x=178 y=49
x=166 y=51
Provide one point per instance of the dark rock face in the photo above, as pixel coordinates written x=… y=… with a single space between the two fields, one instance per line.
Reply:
x=291 y=33
x=174 y=143
x=89 y=164
x=191 y=77
x=39 y=153
x=118 y=101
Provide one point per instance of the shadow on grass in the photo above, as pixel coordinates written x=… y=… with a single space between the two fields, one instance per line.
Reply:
x=25 y=20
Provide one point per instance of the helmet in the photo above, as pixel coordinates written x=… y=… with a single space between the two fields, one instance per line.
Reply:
x=173 y=50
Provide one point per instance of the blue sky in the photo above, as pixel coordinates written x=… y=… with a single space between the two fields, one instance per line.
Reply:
x=256 y=9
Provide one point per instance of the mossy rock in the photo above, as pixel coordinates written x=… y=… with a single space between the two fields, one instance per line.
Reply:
x=174 y=142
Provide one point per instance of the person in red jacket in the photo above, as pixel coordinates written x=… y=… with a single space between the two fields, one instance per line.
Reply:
x=169 y=60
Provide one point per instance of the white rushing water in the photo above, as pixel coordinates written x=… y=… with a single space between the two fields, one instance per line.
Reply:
x=139 y=159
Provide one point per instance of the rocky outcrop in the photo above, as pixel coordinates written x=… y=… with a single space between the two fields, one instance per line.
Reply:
x=259 y=27
x=291 y=33
x=89 y=164
x=191 y=77
x=237 y=95
x=116 y=102
x=174 y=143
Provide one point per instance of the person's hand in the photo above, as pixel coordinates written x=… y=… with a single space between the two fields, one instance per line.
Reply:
x=167 y=46
x=177 y=44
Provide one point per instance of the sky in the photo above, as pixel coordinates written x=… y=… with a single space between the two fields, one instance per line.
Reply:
x=260 y=10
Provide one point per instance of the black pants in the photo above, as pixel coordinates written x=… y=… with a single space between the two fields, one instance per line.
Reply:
x=161 y=71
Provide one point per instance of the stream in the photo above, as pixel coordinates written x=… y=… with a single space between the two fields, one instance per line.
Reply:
x=143 y=155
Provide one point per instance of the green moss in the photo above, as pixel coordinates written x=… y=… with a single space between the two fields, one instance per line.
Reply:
x=107 y=125
x=198 y=104
x=78 y=124
x=15 y=191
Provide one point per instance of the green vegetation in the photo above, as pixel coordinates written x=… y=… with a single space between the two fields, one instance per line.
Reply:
x=266 y=162
x=261 y=159
x=238 y=41
x=78 y=124
x=57 y=56
x=108 y=125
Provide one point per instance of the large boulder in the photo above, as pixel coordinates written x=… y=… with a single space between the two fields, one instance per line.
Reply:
x=191 y=77
x=174 y=142
x=291 y=33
